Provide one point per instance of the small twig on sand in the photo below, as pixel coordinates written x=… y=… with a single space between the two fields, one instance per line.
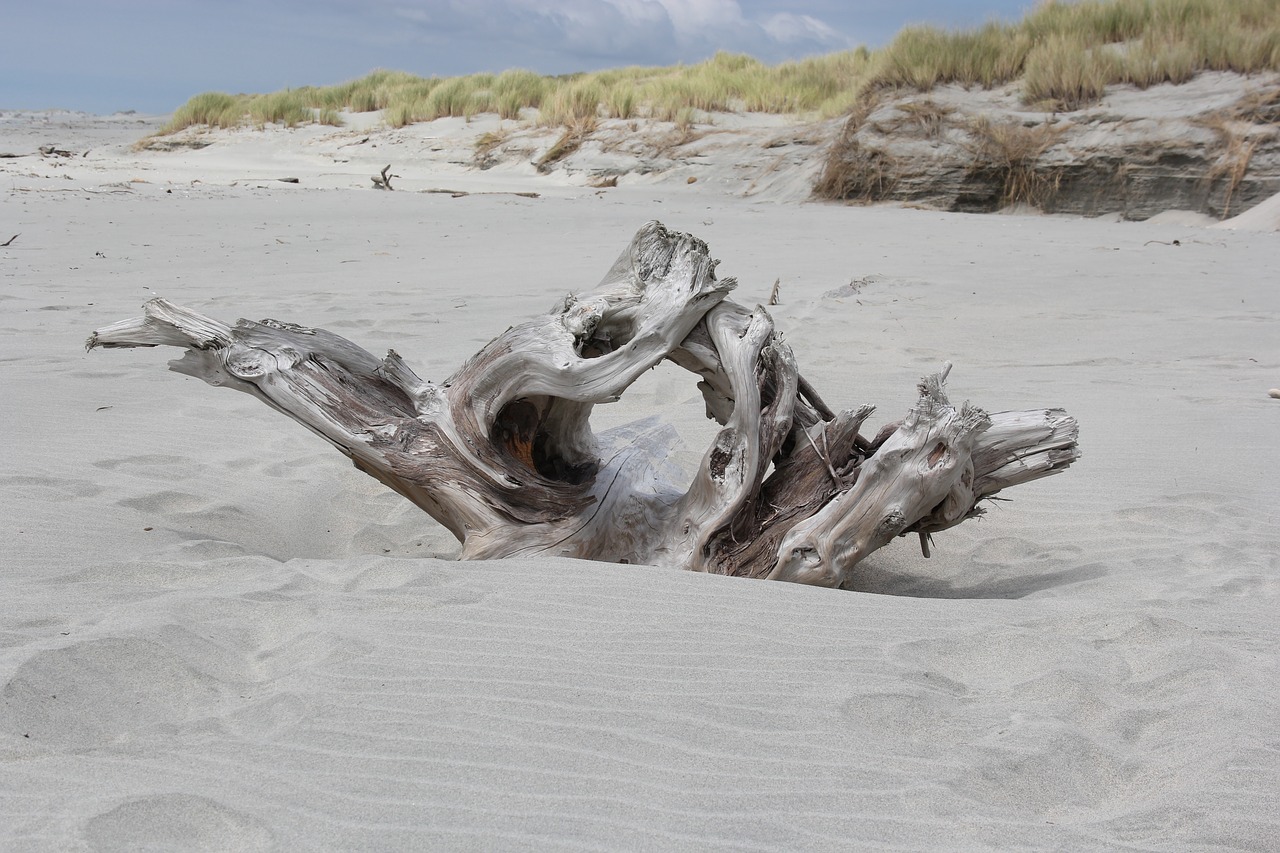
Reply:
x=776 y=292
x=10 y=240
x=463 y=193
x=1163 y=243
x=68 y=190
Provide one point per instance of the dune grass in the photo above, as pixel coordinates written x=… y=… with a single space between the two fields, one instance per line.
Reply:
x=1063 y=54
x=827 y=85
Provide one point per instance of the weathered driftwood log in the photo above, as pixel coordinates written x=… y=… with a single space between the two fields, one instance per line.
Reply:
x=503 y=455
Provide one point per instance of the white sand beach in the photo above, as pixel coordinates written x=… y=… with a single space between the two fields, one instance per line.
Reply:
x=218 y=635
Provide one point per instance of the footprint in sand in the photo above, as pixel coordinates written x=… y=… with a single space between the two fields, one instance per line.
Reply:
x=49 y=489
x=176 y=822
x=98 y=692
x=166 y=503
x=132 y=464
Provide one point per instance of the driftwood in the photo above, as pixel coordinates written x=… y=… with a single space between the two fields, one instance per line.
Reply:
x=503 y=455
x=465 y=193
x=383 y=181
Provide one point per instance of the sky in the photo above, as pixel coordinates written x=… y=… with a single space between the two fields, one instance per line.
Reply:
x=104 y=56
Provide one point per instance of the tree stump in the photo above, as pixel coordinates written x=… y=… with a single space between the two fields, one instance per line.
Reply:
x=503 y=455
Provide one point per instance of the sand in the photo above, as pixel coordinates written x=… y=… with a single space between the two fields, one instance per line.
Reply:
x=217 y=635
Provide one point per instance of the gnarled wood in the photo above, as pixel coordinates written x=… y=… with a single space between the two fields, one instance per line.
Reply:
x=503 y=455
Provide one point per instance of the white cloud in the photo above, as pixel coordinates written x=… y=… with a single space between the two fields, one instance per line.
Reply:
x=594 y=32
x=786 y=28
x=691 y=18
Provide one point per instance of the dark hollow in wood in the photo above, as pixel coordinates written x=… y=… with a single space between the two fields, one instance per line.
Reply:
x=503 y=455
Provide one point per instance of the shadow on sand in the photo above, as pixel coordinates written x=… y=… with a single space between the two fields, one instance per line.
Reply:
x=884 y=582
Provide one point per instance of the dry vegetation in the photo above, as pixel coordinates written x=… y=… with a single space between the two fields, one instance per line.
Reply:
x=575 y=133
x=1240 y=130
x=487 y=144
x=926 y=118
x=1011 y=151
x=1063 y=54
x=856 y=171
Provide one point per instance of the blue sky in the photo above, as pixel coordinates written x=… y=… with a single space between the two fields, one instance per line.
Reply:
x=151 y=55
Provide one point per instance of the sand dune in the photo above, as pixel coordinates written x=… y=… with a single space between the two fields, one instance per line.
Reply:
x=218 y=636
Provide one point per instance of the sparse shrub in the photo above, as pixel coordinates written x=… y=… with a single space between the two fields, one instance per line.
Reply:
x=573 y=103
x=516 y=89
x=450 y=98
x=853 y=170
x=1238 y=138
x=733 y=63
x=575 y=133
x=215 y=109
x=913 y=59
x=926 y=117
x=1232 y=165
x=1152 y=62
x=362 y=102
x=1013 y=151
x=486 y=144
x=285 y=108
x=1065 y=72
x=1261 y=106
x=863 y=174
x=620 y=102
x=405 y=113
